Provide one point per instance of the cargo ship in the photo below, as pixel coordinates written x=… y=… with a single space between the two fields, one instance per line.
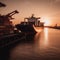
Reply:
x=29 y=24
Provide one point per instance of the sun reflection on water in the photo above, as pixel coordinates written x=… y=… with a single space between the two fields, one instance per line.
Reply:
x=45 y=36
x=38 y=29
x=41 y=39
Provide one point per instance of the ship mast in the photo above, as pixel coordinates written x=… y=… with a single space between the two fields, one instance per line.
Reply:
x=33 y=20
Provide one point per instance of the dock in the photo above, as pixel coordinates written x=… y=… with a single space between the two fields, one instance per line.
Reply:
x=8 y=40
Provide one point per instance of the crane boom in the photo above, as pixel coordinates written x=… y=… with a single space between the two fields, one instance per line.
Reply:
x=2 y=5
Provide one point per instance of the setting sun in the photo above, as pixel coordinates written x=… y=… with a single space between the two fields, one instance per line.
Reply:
x=46 y=21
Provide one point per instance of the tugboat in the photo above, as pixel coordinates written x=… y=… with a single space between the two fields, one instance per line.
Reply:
x=29 y=24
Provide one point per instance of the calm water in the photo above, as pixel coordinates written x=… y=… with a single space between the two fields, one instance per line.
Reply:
x=45 y=46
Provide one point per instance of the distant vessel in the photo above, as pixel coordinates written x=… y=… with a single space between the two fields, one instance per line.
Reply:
x=29 y=24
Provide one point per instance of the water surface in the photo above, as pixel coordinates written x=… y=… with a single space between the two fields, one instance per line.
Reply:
x=45 y=46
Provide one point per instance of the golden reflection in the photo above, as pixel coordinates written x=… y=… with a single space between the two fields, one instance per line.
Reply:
x=45 y=36
x=38 y=29
x=37 y=40
x=41 y=39
x=46 y=20
x=37 y=36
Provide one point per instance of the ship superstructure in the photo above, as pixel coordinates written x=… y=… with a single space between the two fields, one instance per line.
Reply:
x=33 y=21
x=28 y=23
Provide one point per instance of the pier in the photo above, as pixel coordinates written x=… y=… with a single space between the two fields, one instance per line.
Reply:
x=8 y=40
x=53 y=27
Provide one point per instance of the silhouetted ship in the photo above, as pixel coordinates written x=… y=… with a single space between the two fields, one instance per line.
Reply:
x=29 y=24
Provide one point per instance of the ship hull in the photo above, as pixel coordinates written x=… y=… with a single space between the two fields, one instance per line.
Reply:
x=38 y=29
x=26 y=28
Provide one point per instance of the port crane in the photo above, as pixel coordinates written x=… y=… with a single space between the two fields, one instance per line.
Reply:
x=9 y=15
x=2 y=4
x=6 y=23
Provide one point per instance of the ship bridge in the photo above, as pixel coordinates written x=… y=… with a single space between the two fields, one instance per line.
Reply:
x=33 y=20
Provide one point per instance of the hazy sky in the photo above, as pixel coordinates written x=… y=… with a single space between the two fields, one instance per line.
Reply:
x=46 y=9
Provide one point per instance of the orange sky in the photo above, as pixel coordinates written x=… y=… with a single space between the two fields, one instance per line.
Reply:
x=48 y=10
